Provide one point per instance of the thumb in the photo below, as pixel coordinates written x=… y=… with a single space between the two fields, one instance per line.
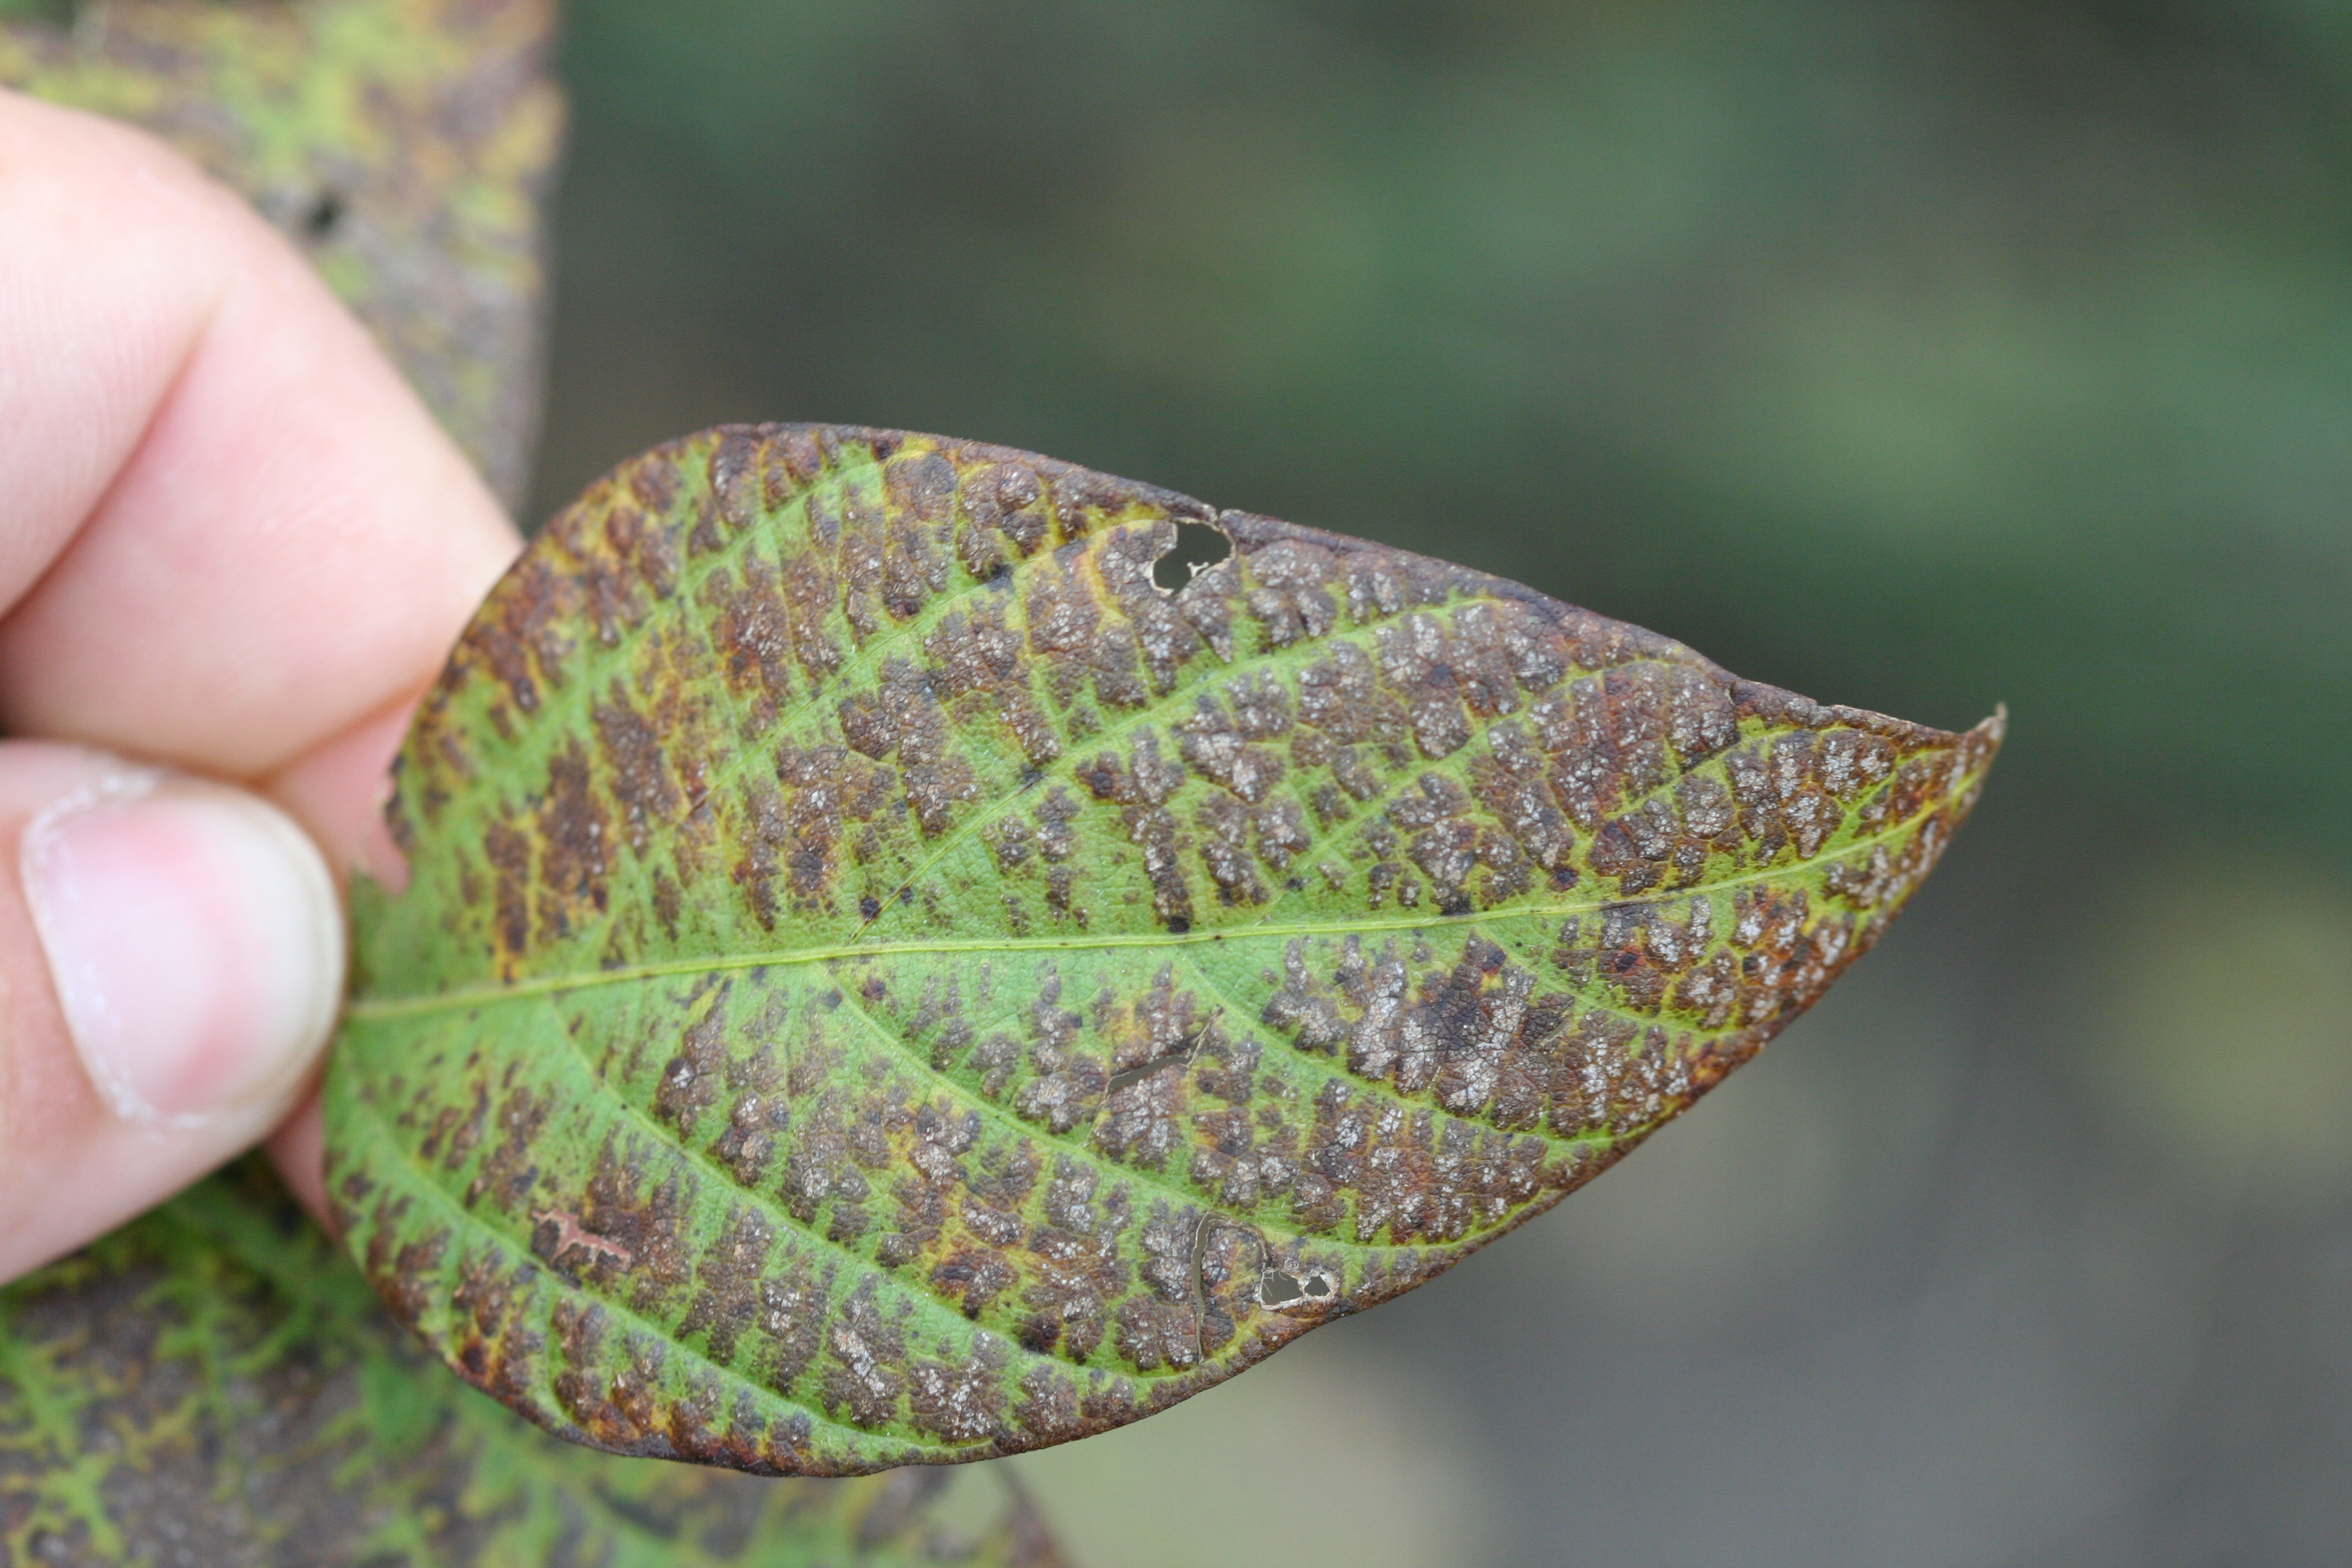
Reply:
x=172 y=952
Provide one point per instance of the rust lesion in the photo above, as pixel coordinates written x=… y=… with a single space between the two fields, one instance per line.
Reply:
x=571 y=1235
x=1572 y=874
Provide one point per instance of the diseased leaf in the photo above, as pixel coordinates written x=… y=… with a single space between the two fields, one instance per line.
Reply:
x=404 y=145
x=884 y=982
x=213 y=1384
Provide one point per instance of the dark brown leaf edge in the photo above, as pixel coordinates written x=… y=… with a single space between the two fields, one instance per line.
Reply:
x=883 y=981
x=213 y=1386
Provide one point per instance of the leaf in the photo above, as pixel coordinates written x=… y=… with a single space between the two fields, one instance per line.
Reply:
x=883 y=982
x=213 y=1385
x=404 y=145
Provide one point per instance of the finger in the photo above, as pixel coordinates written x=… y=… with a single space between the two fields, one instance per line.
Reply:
x=299 y=1151
x=234 y=532
x=338 y=792
x=171 y=953
x=233 y=540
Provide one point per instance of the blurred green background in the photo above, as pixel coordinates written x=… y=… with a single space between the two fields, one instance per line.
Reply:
x=1917 y=356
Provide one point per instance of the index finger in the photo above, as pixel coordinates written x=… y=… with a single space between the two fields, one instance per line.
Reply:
x=232 y=532
x=230 y=539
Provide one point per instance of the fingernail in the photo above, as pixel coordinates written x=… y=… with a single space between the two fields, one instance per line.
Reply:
x=195 y=939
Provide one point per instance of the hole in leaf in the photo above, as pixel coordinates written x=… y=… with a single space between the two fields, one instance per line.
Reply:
x=325 y=217
x=1278 y=1288
x=1198 y=547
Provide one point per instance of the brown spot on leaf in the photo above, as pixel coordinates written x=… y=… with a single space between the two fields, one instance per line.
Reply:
x=1101 y=971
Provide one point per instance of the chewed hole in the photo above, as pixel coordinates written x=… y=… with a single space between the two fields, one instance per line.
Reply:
x=1199 y=547
x=1276 y=1289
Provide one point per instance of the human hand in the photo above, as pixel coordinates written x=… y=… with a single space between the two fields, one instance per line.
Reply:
x=233 y=550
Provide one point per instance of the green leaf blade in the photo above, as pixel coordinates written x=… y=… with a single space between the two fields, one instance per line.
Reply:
x=882 y=982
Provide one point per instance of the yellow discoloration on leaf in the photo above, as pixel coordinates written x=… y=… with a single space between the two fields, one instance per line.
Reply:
x=990 y=999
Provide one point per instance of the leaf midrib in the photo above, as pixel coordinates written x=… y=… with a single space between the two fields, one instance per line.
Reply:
x=495 y=993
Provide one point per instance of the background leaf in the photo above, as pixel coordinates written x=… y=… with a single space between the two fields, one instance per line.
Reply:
x=213 y=1385
x=403 y=145
x=883 y=981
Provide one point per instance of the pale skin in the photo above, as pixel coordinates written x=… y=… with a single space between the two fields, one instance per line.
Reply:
x=232 y=543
